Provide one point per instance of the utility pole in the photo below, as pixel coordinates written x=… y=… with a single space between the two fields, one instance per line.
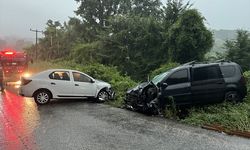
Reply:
x=36 y=40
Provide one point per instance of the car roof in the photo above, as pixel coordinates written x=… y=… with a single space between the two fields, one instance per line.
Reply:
x=51 y=70
x=201 y=64
x=48 y=71
x=69 y=70
x=197 y=65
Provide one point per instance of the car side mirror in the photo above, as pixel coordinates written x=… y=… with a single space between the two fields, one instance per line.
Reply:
x=164 y=85
x=92 y=81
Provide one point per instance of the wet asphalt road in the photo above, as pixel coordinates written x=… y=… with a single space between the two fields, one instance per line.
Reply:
x=79 y=124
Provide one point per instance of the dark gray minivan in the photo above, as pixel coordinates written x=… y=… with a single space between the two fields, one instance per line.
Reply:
x=191 y=83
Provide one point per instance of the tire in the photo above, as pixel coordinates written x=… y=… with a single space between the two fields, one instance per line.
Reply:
x=42 y=97
x=232 y=96
x=102 y=96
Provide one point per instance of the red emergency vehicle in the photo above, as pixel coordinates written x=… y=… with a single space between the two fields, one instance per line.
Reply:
x=13 y=64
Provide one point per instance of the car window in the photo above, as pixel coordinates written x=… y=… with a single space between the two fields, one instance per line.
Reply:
x=180 y=76
x=206 y=73
x=228 y=71
x=80 y=77
x=159 y=77
x=60 y=75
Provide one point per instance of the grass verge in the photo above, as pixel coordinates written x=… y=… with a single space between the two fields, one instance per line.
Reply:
x=228 y=115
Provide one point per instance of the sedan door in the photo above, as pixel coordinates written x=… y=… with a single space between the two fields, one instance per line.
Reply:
x=84 y=86
x=60 y=83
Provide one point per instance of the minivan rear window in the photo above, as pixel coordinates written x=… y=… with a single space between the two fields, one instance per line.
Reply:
x=228 y=71
x=206 y=73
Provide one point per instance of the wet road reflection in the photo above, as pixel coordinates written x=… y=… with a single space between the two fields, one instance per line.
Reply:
x=19 y=118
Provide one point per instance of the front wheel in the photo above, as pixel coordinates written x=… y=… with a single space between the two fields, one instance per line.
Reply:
x=232 y=96
x=42 y=97
x=102 y=96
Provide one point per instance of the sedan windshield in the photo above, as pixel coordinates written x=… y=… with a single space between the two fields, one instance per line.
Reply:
x=159 y=78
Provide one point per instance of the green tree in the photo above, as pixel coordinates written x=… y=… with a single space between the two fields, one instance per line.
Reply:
x=133 y=44
x=189 y=39
x=137 y=36
x=173 y=10
x=96 y=13
x=171 y=13
x=239 y=49
x=146 y=8
x=85 y=53
x=50 y=45
x=55 y=43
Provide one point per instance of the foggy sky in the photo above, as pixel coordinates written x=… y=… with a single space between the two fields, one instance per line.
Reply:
x=18 y=16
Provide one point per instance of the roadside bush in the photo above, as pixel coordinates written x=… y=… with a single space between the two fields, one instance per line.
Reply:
x=247 y=77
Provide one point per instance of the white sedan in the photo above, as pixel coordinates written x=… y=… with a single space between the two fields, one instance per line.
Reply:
x=61 y=84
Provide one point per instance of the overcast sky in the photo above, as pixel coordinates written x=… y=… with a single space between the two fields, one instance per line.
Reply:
x=18 y=16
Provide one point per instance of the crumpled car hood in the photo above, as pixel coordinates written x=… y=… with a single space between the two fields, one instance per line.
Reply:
x=102 y=83
x=138 y=87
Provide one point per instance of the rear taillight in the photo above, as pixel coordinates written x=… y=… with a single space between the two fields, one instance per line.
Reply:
x=25 y=81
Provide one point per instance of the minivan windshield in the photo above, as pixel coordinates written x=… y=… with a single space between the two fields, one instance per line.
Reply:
x=159 y=77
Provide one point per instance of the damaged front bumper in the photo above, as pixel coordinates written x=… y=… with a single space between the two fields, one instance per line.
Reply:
x=143 y=97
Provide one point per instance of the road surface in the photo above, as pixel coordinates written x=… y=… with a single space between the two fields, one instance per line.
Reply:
x=79 y=124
